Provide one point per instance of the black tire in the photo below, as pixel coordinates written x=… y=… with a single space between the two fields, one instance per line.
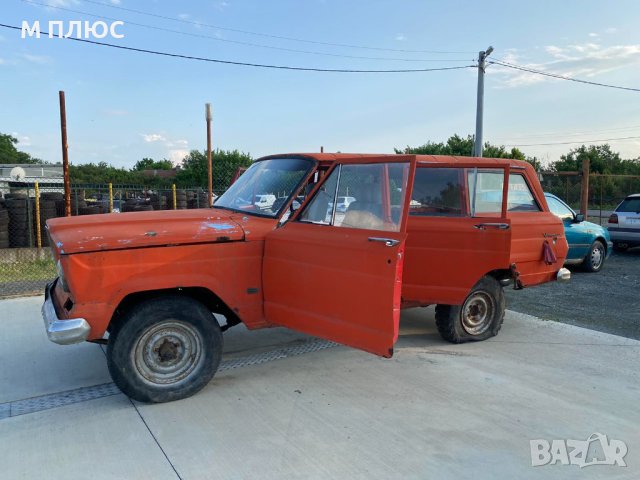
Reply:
x=620 y=247
x=594 y=261
x=155 y=322
x=460 y=323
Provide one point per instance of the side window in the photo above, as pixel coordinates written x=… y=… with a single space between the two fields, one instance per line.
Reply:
x=520 y=197
x=558 y=208
x=438 y=192
x=366 y=196
x=488 y=199
x=488 y=191
x=319 y=209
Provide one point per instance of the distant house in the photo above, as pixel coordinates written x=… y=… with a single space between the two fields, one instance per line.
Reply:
x=16 y=176
x=160 y=173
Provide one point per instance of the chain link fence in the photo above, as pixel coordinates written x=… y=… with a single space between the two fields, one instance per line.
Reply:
x=605 y=191
x=26 y=263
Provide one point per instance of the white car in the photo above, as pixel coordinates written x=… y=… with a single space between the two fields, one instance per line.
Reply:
x=264 y=201
x=624 y=224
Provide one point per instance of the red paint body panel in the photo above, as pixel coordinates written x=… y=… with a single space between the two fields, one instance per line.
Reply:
x=328 y=281
x=347 y=290
x=115 y=231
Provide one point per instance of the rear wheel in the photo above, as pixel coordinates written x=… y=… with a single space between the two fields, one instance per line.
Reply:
x=164 y=349
x=594 y=260
x=478 y=318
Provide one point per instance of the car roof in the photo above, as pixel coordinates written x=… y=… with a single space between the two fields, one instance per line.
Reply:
x=633 y=195
x=329 y=158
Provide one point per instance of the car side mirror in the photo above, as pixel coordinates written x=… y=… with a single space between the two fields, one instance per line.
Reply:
x=579 y=218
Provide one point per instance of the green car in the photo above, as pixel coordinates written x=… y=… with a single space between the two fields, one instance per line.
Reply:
x=589 y=244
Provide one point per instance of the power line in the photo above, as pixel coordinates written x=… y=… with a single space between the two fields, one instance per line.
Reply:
x=568 y=143
x=564 y=134
x=237 y=42
x=560 y=77
x=247 y=64
x=267 y=35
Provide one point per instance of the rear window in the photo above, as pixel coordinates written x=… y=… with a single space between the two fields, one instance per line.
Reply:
x=630 y=205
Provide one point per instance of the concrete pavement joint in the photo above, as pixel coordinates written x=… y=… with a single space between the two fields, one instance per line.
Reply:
x=84 y=394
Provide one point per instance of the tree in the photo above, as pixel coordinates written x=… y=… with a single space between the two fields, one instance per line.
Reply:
x=10 y=154
x=601 y=160
x=193 y=171
x=150 y=164
x=463 y=147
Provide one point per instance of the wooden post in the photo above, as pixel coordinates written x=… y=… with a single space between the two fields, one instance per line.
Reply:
x=38 y=228
x=111 y=198
x=584 y=199
x=209 y=165
x=65 y=155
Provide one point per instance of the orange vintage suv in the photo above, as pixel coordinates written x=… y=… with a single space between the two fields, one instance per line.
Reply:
x=421 y=230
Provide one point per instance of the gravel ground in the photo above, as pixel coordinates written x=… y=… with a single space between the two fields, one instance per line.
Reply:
x=608 y=301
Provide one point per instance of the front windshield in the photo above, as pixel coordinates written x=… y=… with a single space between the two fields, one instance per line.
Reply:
x=265 y=187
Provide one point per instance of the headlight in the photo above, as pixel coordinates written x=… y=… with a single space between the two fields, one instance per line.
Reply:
x=61 y=278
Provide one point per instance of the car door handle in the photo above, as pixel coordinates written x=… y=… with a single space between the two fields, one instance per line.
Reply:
x=389 y=242
x=483 y=226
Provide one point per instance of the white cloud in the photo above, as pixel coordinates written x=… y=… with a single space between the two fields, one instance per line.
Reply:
x=61 y=3
x=401 y=37
x=153 y=137
x=2 y=62
x=116 y=2
x=177 y=155
x=611 y=30
x=221 y=5
x=581 y=61
x=594 y=35
x=37 y=59
x=183 y=16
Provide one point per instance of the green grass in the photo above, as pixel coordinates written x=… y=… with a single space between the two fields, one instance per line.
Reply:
x=27 y=271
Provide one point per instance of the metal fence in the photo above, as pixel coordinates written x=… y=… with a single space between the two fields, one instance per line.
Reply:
x=605 y=191
x=26 y=264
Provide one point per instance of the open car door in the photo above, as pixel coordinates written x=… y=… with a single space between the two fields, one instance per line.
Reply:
x=335 y=271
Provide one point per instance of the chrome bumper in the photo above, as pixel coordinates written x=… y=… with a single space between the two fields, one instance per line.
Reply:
x=62 y=331
x=563 y=275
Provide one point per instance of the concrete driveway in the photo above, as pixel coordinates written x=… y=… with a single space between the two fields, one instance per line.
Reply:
x=289 y=406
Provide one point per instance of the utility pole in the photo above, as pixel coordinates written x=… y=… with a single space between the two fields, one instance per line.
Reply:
x=209 y=166
x=482 y=56
x=65 y=155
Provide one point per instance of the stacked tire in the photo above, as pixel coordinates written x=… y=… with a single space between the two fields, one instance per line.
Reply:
x=4 y=224
x=158 y=202
x=77 y=202
x=181 y=199
x=48 y=210
x=198 y=199
x=89 y=210
x=19 y=231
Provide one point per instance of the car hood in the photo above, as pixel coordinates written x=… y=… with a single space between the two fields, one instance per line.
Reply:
x=116 y=231
x=595 y=229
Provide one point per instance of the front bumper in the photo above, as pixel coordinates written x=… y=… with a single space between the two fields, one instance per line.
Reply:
x=63 y=331
x=563 y=275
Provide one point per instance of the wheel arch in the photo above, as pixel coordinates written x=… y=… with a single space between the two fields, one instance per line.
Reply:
x=200 y=294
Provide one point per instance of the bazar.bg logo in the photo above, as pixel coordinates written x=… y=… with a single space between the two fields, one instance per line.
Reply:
x=74 y=28
x=595 y=450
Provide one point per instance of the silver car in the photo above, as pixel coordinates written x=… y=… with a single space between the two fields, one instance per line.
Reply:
x=624 y=223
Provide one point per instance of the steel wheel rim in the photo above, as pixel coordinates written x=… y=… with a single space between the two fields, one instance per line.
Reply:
x=477 y=313
x=168 y=353
x=597 y=256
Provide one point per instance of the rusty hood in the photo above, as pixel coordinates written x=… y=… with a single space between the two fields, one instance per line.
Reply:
x=117 y=231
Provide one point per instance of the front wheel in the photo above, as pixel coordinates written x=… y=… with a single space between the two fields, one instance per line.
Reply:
x=164 y=349
x=594 y=260
x=478 y=318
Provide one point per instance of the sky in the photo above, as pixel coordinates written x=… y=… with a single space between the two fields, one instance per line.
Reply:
x=125 y=105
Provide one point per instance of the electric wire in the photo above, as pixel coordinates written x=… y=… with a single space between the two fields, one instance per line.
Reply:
x=249 y=64
x=558 y=76
x=237 y=42
x=267 y=35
